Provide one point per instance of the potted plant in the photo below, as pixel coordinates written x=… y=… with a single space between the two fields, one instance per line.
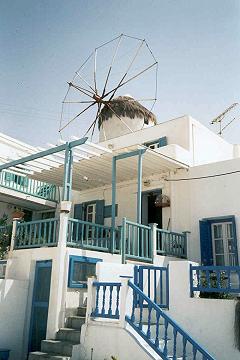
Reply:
x=18 y=214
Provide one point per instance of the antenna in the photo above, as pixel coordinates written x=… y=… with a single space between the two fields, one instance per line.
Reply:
x=221 y=117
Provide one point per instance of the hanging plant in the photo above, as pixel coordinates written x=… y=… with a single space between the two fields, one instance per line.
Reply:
x=162 y=201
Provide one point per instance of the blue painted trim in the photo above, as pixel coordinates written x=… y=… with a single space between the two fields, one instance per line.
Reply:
x=130 y=154
x=139 y=191
x=113 y=210
x=82 y=259
x=220 y=219
x=39 y=264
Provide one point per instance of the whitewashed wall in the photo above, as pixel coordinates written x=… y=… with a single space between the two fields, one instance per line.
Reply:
x=209 y=321
x=212 y=197
x=13 y=301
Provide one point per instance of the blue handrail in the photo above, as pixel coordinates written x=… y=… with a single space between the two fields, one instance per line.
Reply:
x=154 y=281
x=220 y=279
x=136 y=242
x=37 y=233
x=165 y=336
x=29 y=186
x=171 y=243
x=90 y=236
x=107 y=300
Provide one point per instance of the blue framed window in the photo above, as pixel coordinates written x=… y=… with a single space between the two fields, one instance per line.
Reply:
x=80 y=269
x=218 y=240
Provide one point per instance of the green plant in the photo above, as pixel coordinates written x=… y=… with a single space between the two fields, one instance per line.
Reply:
x=5 y=236
x=214 y=284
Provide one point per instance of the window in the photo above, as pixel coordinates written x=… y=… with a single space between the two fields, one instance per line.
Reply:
x=218 y=240
x=155 y=144
x=80 y=269
x=223 y=244
x=3 y=265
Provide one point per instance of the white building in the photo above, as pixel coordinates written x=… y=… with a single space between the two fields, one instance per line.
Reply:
x=177 y=176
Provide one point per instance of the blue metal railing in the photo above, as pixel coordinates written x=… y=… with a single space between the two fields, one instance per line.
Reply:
x=91 y=236
x=153 y=281
x=28 y=186
x=171 y=243
x=107 y=300
x=220 y=279
x=163 y=334
x=36 y=234
x=136 y=241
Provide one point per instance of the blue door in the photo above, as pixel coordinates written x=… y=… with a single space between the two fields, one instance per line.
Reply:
x=40 y=303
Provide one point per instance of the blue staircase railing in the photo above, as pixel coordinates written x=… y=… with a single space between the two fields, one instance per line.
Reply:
x=107 y=300
x=218 y=279
x=37 y=233
x=153 y=281
x=163 y=335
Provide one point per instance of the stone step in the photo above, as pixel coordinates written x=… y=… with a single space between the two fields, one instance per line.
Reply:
x=58 y=347
x=38 y=355
x=75 y=322
x=81 y=311
x=68 y=334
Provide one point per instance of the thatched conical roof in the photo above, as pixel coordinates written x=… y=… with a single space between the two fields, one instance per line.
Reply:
x=125 y=106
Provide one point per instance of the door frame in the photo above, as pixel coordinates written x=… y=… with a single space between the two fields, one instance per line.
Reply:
x=145 y=193
x=38 y=264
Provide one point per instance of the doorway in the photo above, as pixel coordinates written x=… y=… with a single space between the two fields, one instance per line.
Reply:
x=150 y=212
x=40 y=304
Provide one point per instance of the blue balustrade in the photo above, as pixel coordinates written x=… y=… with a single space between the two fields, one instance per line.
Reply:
x=171 y=243
x=28 y=186
x=107 y=300
x=160 y=331
x=136 y=242
x=36 y=234
x=91 y=236
x=218 y=279
x=153 y=281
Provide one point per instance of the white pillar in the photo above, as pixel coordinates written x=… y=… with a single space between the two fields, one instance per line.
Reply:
x=124 y=306
x=56 y=312
x=154 y=238
x=13 y=237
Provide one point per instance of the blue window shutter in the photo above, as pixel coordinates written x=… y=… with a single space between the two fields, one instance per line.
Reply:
x=78 y=211
x=235 y=240
x=108 y=211
x=100 y=212
x=206 y=243
x=163 y=141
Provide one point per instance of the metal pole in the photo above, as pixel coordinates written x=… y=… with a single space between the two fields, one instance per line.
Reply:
x=139 y=193
x=67 y=182
x=114 y=170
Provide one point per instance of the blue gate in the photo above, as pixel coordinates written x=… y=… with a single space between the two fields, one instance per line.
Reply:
x=40 y=302
x=153 y=281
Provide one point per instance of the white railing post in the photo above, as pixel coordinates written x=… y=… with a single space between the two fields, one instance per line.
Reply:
x=154 y=238
x=90 y=298
x=14 y=232
x=123 y=299
x=56 y=313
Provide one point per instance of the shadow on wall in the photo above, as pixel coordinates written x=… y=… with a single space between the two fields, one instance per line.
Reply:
x=13 y=299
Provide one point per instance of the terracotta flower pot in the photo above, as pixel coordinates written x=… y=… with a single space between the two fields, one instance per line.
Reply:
x=18 y=214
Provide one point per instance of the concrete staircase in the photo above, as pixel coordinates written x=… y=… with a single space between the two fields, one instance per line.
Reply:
x=66 y=346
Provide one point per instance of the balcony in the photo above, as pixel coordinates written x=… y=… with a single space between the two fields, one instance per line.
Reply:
x=23 y=184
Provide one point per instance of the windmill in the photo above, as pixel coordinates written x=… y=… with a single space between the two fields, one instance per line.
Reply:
x=93 y=97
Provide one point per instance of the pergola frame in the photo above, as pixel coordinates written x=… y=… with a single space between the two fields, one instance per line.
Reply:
x=67 y=147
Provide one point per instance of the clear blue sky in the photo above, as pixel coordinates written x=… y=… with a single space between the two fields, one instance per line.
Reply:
x=197 y=44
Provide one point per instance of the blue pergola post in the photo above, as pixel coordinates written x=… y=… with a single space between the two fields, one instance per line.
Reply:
x=114 y=172
x=139 y=192
x=67 y=181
